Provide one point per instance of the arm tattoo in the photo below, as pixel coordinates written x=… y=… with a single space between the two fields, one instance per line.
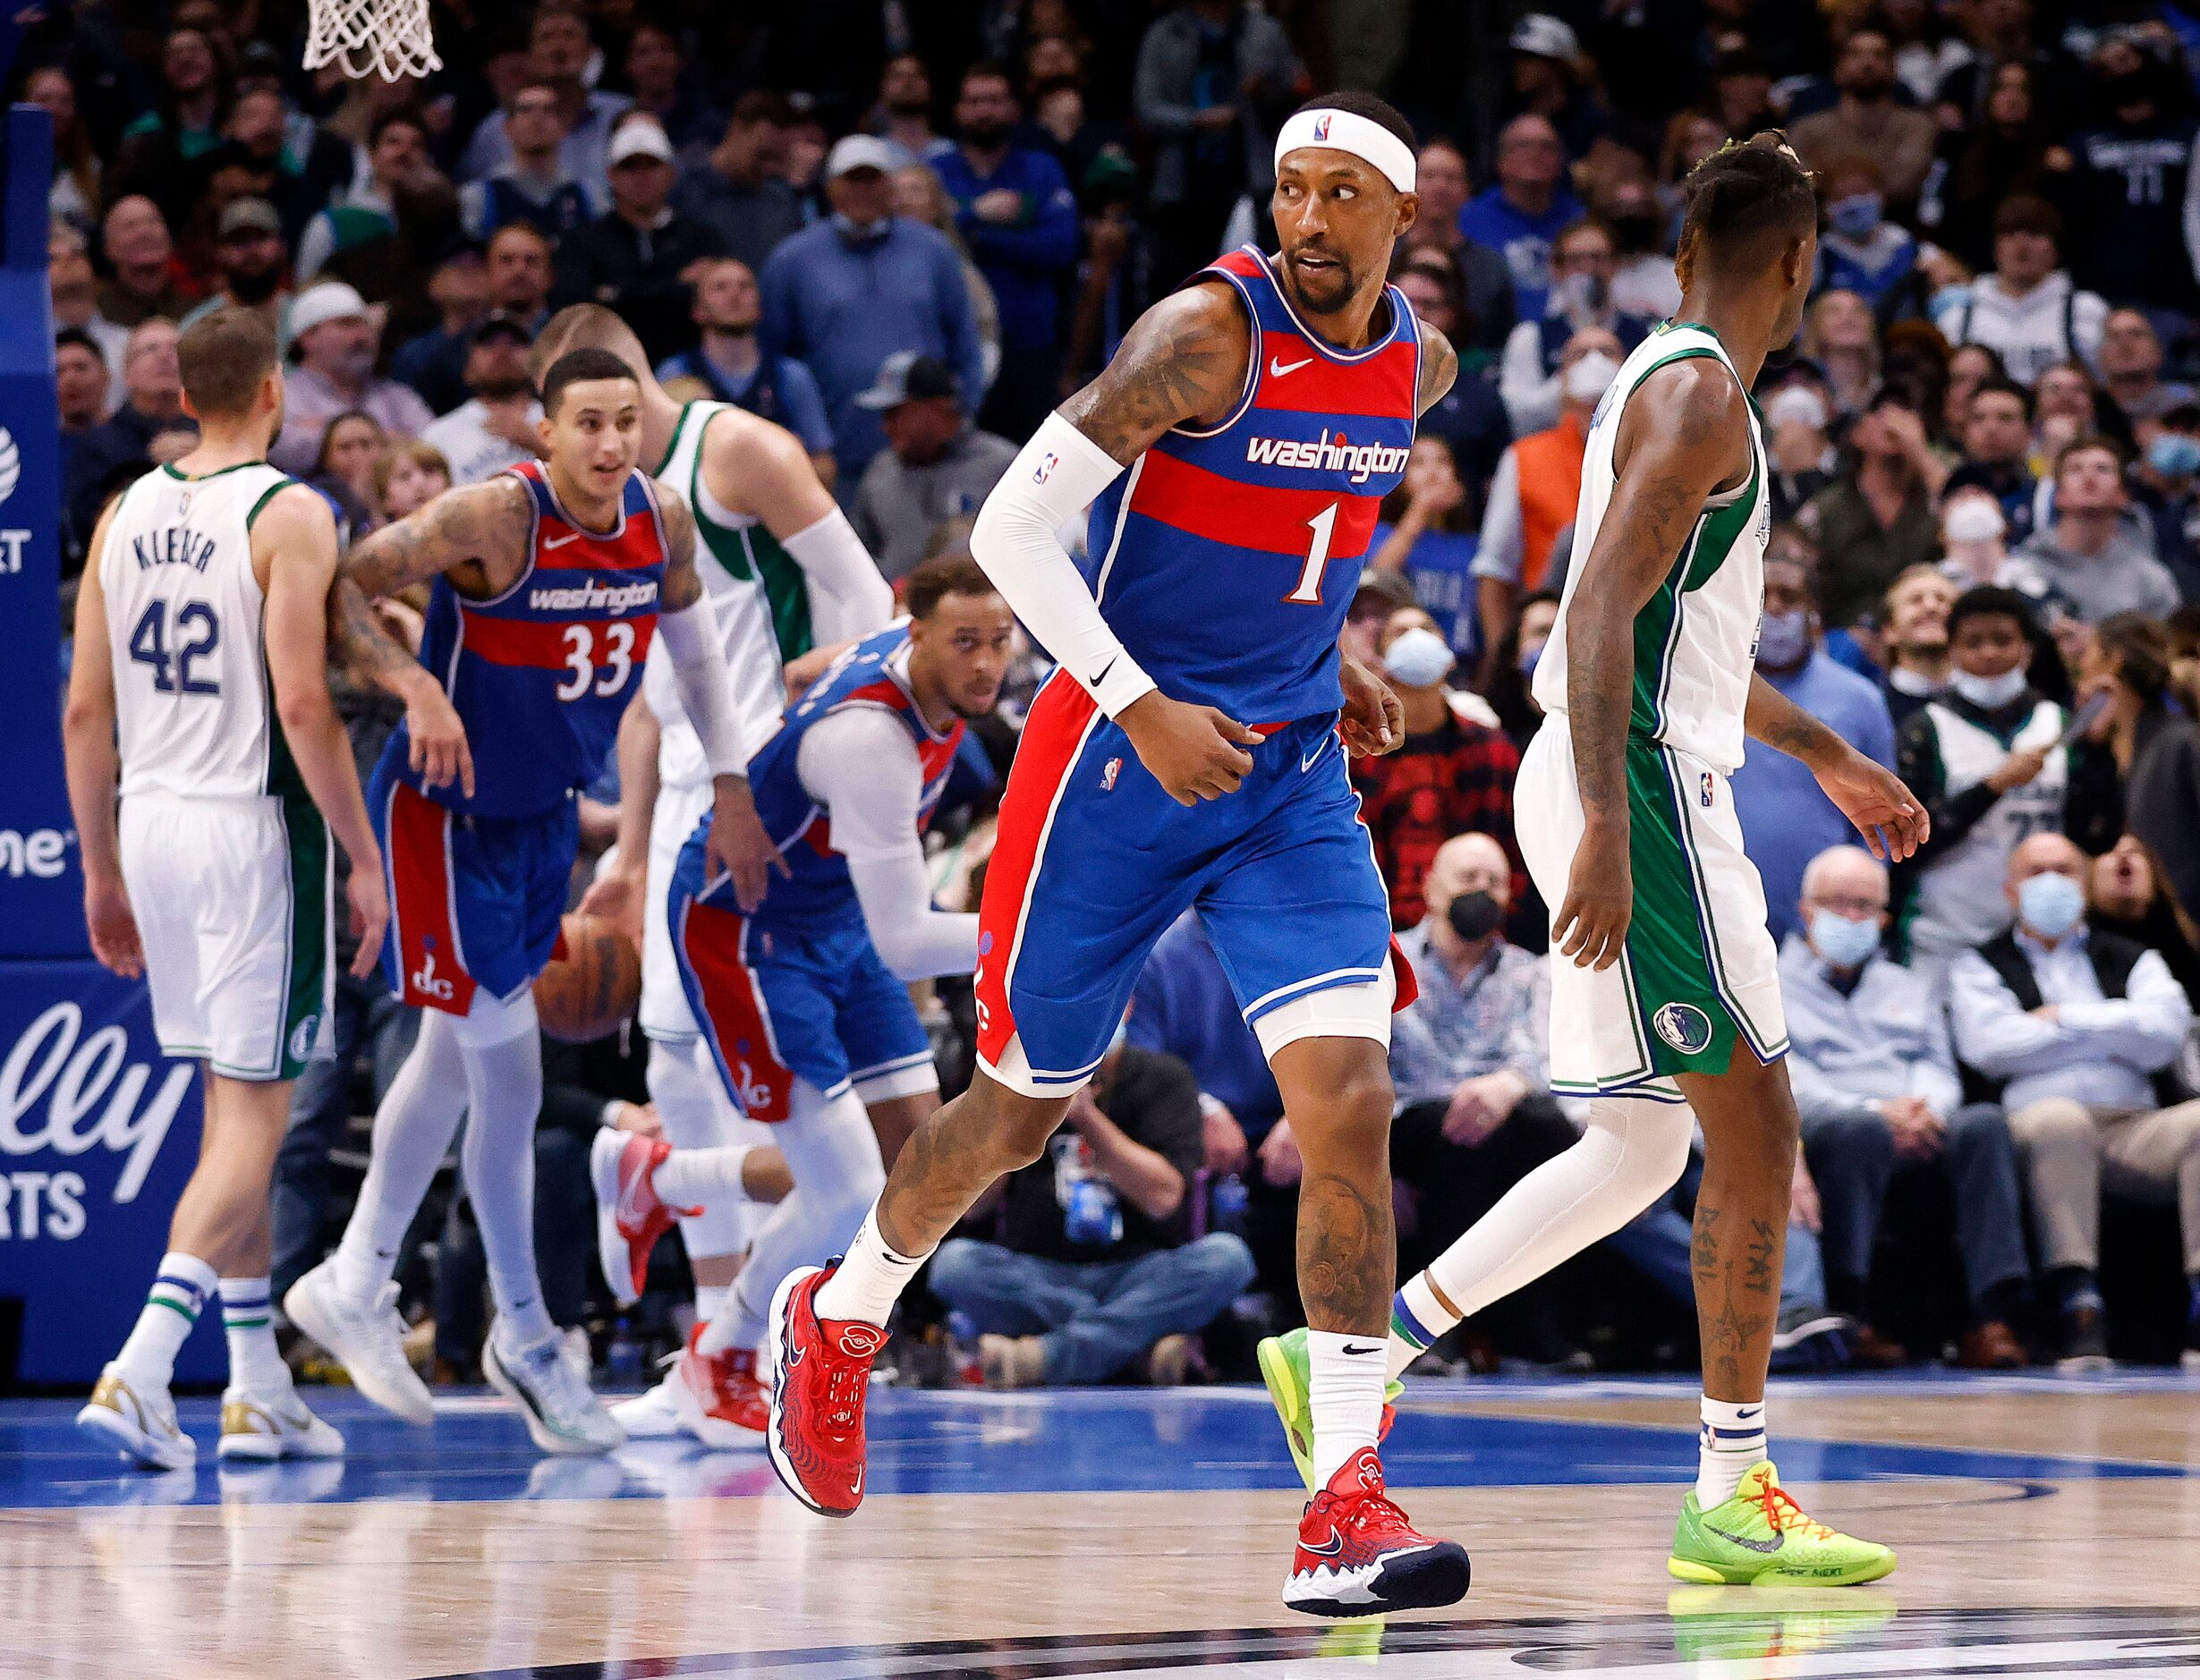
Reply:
x=361 y=644
x=682 y=586
x=1439 y=367
x=1184 y=357
x=1785 y=726
x=1347 y=1255
x=459 y=528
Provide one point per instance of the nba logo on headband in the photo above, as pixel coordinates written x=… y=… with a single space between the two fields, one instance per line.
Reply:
x=1321 y=126
x=1348 y=131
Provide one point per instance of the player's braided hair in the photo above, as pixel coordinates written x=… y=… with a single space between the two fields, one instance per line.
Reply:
x=1747 y=190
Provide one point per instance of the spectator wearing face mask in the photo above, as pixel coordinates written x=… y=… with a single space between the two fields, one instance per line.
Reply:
x=2026 y=307
x=1786 y=816
x=2164 y=486
x=1579 y=301
x=1423 y=535
x=1798 y=447
x=1997 y=448
x=1861 y=251
x=1913 y=639
x=1454 y=773
x=1988 y=759
x=1537 y=485
x=1875 y=1084
x=2090 y=555
x=2074 y=1023
x=1642 y=279
x=1974 y=549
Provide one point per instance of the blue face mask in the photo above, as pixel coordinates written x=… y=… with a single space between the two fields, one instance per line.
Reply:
x=1418 y=659
x=2174 y=454
x=1855 y=216
x=2050 y=904
x=1843 y=943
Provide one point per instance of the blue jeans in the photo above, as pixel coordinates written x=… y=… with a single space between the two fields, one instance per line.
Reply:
x=1094 y=1316
x=1656 y=1243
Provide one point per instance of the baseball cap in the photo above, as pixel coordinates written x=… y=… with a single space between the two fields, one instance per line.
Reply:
x=906 y=377
x=860 y=151
x=1545 y=37
x=639 y=139
x=255 y=216
x=318 y=305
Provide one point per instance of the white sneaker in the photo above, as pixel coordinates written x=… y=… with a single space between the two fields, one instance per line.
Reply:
x=653 y=1416
x=562 y=1414
x=367 y=1338
x=262 y=1427
x=137 y=1421
x=574 y=1347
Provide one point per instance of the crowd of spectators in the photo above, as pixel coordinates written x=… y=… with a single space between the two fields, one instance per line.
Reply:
x=905 y=233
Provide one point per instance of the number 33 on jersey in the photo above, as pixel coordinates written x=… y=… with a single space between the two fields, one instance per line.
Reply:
x=540 y=674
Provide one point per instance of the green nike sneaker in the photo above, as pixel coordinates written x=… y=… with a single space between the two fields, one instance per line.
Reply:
x=1283 y=1369
x=1760 y=1538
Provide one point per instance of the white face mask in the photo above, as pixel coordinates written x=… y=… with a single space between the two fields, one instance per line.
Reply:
x=1796 y=405
x=1843 y=943
x=1975 y=518
x=1989 y=693
x=1418 y=659
x=2051 y=905
x=1589 y=377
x=1784 y=640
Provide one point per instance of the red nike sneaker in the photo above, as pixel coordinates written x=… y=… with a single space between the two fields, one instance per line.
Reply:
x=720 y=1400
x=629 y=1214
x=820 y=1373
x=1357 y=1553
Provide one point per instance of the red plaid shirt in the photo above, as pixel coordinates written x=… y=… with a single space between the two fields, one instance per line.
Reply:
x=1456 y=778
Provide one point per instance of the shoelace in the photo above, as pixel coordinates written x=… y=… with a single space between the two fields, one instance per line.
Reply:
x=846 y=1382
x=1782 y=1513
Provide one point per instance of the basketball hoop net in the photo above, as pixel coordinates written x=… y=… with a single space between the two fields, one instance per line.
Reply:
x=389 y=38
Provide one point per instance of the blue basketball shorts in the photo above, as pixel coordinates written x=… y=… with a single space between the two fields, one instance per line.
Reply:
x=1094 y=861
x=474 y=902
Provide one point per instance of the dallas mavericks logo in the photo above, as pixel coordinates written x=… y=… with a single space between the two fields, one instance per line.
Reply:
x=1321 y=126
x=302 y=1039
x=11 y=463
x=1683 y=1026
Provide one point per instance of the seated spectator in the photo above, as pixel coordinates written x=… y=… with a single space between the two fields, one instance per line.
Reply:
x=1912 y=640
x=146 y=279
x=657 y=76
x=343 y=472
x=2127 y=895
x=739 y=193
x=74 y=292
x=1786 y=816
x=2132 y=170
x=2026 y=307
x=1097 y=1269
x=334 y=336
x=635 y=256
x=131 y=439
x=1875 y=1084
x=1867 y=121
x=1861 y=251
x=2089 y=556
x=902 y=115
x=1537 y=488
x=1511 y=664
x=81 y=393
x=255 y=268
x=2075 y=1024
x=937 y=466
x=433 y=363
x=1423 y=535
x=495 y=427
x=1582 y=260
x=560 y=53
x=1470 y=417
x=734 y=366
x=407 y=476
x=2131 y=368
x=2164 y=487
x=1452 y=774
x=1526 y=209
x=1644 y=282
x=1874 y=523
x=1487 y=311
x=1797 y=446
x=533 y=186
x=2013 y=146
x=400 y=181
x=1840 y=335
x=1183 y=1006
x=2155 y=750
x=920 y=196
x=2068 y=403
x=1997 y=448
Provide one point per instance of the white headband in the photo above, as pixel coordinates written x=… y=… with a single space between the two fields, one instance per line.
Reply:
x=1344 y=132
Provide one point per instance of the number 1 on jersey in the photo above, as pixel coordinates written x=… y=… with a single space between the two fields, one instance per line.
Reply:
x=1309 y=590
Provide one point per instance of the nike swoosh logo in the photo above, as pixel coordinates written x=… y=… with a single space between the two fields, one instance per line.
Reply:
x=1308 y=762
x=559 y=542
x=1744 y=1417
x=1102 y=677
x=1350 y=1349
x=1336 y=1545
x=1772 y=1545
x=627 y=1211
x=1277 y=369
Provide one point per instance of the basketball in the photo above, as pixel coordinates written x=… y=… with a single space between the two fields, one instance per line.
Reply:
x=593 y=985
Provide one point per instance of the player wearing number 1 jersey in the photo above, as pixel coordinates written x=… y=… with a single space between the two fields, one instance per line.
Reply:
x=550 y=582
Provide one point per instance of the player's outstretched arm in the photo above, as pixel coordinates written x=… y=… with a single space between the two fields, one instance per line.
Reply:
x=738 y=844
x=94 y=770
x=772 y=477
x=1892 y=820
x=1684 y=433
x=294 y=537
x=1185 y=358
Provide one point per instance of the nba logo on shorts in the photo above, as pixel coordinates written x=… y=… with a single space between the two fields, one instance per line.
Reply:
x=1706 y=790
x=1683 y=1026
x=1108 y=772
x=1321 y=126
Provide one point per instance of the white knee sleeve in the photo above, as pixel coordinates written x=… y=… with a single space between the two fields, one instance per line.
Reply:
x=833 y=1155
x=691 y=1105
x=494 y=1020
x=1647 y=1143
x=1361 y=1011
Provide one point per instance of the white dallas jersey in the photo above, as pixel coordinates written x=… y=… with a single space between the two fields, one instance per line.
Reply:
x=735 y=593
x=1695 y=642
x=194 y=713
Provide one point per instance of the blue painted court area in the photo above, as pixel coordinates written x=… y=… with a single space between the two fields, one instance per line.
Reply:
x=1103 y=1441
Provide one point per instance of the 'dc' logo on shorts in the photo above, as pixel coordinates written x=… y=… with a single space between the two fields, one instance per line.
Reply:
x=1683 y=1026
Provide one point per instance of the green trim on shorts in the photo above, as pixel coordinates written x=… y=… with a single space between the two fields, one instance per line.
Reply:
x=305 y=993
x=1682 y=1017
x=1760 y=1044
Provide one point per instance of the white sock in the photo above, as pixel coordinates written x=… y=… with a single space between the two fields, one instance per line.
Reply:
x=255 y=1365
x=1345 y=1385
x=412 y=1132
x=869 y=1280
x=699 y=1178
x=180 y=1288
x=711 y=1301
x=1631 y=1153
x=1732 y=1440
x=697 y=1114
x=1419 y=1318
x=503 y=1087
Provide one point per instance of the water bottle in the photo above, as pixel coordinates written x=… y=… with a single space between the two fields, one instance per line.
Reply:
x=1091 y=1216
x=1226 y=1206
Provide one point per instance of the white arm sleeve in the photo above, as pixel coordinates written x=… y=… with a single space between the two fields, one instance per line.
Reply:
x=1049 y=483
x=705 y=688
x=861 y=765
x=848 y=599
